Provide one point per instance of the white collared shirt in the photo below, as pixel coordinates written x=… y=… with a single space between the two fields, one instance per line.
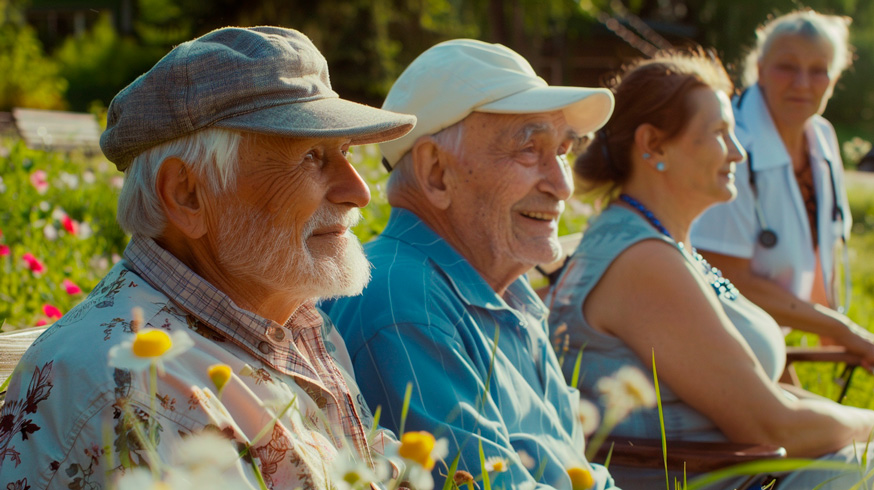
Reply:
x=732 y=228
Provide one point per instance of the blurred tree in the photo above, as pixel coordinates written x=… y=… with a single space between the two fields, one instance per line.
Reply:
x=100 y=63
x=30 y=79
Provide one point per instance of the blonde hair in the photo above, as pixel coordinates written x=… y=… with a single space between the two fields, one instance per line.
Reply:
x=835 y=29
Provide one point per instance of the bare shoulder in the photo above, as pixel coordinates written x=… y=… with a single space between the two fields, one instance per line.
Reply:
x=652 y=293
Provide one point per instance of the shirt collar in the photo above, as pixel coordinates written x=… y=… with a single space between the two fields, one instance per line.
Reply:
x=469 y=284
x=762 y=140
x=263 y=338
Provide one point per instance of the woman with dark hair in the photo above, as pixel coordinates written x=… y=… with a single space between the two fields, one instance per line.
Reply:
x=782 y=239
x=635 y=289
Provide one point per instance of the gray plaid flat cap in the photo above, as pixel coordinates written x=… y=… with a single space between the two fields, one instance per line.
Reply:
x=267 y=80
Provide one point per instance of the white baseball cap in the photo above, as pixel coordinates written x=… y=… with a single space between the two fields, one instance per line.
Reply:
x=454 y=78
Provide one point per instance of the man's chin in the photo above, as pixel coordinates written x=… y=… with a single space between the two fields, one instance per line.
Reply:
x=344 y=276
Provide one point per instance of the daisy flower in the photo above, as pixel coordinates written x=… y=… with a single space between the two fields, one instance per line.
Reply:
x=496 y=464
x=149 y=346
x=350 y=473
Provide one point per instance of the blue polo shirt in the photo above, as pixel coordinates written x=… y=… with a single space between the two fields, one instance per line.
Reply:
x=430 y=319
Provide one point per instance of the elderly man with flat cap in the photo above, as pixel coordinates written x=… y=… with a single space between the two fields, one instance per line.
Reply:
x=476 y=189
x=239 y=199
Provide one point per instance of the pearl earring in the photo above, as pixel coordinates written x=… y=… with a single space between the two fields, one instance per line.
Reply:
x=660 y=166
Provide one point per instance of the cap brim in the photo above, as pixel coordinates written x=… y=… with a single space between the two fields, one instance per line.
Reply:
x=324 y=118
x=586 y=109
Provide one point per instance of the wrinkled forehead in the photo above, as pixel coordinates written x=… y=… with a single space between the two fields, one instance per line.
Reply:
x=520 y=127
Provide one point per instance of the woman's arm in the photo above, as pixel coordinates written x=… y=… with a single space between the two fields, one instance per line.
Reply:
x=791 y=311
x=651 y=298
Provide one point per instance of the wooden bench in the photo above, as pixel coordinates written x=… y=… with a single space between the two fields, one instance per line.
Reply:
x=12 y=347
x=58 y=130
x=7 y=124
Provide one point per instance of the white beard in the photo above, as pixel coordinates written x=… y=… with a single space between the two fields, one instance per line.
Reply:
x=280 y=258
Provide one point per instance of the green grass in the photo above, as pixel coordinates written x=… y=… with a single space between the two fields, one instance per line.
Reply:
x=819 y=378
x=86 y=190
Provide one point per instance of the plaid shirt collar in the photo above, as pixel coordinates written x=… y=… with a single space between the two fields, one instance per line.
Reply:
x=296 y=348
x=272 y=343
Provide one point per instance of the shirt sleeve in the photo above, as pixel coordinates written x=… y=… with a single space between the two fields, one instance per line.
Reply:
x=729 y=228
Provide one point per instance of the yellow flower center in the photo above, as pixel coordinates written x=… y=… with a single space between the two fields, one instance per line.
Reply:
x=351 y=477
x=499 y=466
x=151 y=343
x=581 y=479
x=219 y=374
x=417 y=447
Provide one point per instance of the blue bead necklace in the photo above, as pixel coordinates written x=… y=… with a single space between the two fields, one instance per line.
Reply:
x=646 y=214
x=721 y=285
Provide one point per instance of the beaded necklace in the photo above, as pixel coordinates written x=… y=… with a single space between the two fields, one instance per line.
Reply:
x=721 y=285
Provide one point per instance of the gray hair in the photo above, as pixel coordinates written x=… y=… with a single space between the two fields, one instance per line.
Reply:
x=449 y=139
x=211 y=154
x=808 y=23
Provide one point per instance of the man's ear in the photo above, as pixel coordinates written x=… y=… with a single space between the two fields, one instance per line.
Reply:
x=431 y=171
x=181 y=197
x=649 y=139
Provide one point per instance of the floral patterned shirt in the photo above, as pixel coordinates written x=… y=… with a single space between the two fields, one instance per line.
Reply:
x=69 y=418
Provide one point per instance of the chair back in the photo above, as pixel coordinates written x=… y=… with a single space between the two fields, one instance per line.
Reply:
x=12 y=347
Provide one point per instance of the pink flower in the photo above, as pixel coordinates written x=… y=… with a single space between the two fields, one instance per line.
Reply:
x=4 y=250
x=41 y=322
x=71 y=287
x=38 y=179
x=70 y=225
x=33 y=263
x=51 y=311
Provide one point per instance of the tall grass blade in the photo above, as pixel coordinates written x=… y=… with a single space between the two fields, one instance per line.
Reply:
x=491 y=365
x=767 y=466
x=487 y=485
x=375 y=424
x=609 y=456
x=406 y=408
x=655 y=380
x=449 y=484
x=575 y=379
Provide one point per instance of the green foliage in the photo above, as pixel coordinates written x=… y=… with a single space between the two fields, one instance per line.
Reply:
x=100 y=63
x=30 y=79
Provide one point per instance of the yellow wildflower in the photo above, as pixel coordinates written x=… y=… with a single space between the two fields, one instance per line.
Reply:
x=417 y=447
x=581 y=478
x=220 y=374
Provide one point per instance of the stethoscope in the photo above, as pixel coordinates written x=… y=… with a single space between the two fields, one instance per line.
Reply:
x=768 y=238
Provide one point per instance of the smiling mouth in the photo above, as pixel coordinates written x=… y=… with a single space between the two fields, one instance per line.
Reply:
x=538 y=216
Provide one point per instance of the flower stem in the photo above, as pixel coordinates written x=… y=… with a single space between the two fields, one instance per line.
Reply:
x=261 y=483
x=153 y=392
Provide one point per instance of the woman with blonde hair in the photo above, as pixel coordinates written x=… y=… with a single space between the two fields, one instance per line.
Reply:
x=635 y=288
x=781 y=240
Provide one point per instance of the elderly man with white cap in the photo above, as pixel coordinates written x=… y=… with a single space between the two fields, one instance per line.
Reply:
x=239 y=199
x=476 y=189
